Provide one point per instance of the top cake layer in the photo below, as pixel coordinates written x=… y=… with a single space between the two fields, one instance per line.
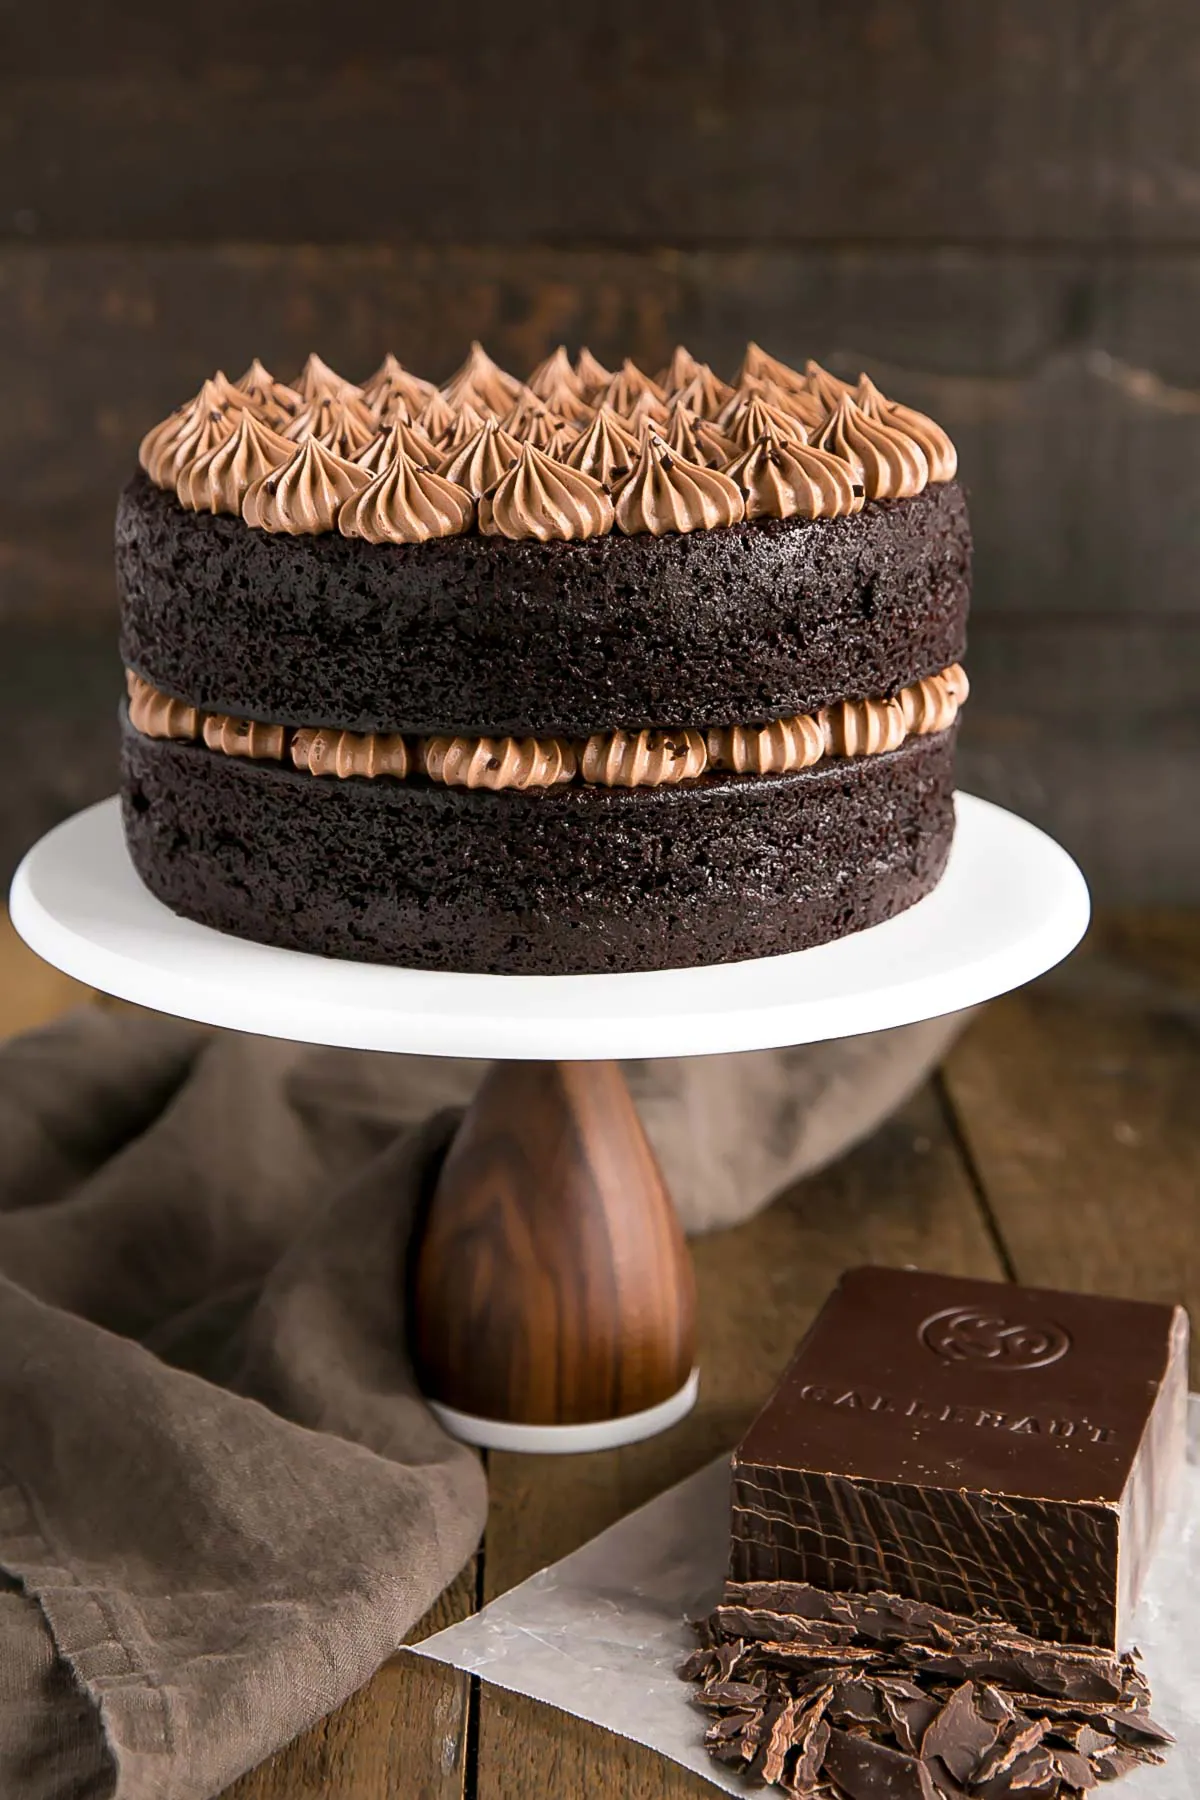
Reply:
x=586 y=551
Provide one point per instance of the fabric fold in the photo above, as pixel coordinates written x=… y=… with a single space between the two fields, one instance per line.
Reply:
x=223 y=1501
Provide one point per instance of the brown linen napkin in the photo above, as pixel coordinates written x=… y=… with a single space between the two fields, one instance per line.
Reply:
x=222 y=1501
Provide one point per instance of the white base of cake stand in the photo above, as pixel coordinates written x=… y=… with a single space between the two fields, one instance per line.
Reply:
x=569 y=1440
x=1010 y=905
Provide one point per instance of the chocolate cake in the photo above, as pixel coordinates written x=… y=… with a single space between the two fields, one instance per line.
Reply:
x=591 y=672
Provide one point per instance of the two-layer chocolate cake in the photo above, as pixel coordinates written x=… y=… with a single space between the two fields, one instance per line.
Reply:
x=589 y=672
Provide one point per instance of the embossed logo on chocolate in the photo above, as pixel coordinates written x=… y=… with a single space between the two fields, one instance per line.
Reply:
x=971 y=1334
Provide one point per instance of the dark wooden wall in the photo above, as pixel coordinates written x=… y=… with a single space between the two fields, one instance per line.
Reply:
x=996 y=208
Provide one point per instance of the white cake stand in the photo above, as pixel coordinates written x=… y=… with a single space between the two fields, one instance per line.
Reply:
x=1010 y=905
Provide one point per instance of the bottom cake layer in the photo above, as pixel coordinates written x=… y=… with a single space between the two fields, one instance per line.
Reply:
x=571 y=880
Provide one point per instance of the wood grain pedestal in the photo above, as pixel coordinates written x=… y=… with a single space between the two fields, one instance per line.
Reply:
x=553 y=1299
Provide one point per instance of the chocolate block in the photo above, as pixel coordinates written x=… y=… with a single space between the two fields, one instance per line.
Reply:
x=999 y=1451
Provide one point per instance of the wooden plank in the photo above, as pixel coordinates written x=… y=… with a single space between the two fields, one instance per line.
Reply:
x=606 y=122
x=402 y=1737
x=1091 y=728
x=1071 y=381
x=31 y=992
x=59 y=691
x=1077 y=1099
x=901 y=1198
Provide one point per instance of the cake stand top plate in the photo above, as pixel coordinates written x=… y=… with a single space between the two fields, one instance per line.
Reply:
x=1010 y=905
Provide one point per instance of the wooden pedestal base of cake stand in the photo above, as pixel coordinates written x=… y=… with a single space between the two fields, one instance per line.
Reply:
x=552 y=1286
x=551 y=1292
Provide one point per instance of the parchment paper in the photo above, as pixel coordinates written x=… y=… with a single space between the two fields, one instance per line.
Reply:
x=600 y=1633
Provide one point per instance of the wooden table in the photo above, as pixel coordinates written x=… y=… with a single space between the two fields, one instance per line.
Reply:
x=1061 y=1145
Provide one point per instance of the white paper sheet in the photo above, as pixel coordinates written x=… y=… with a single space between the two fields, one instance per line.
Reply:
x=601 y=1633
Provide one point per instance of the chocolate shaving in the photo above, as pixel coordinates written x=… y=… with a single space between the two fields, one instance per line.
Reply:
x=834 y=1702
x=1138 y=1727
x=729 y=1693
x=765 y=1626
x=1075 y=1770
x=865 y=1769
x=909 y=1715
x=959 y=1734
x=857 y=1701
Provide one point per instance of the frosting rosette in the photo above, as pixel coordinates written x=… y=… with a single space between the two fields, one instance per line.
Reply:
x=607 y=450
x=794 y=480
x=544 y=499
x=665 y=493
x=305 y=496
x=219 y=478
x=889 y=463
x=406 y=504
x=317 y=380
x=486 y=456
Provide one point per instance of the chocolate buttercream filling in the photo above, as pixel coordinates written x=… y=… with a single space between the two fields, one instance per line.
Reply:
x=629 y=759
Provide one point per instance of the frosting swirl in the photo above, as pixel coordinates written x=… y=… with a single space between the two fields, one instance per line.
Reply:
x=591 y=375
x=627 y=386
x=346 y=753
x=606 y=451
x=391 y=441
x=274 y=401
x=436 y=418
x=393 y=387
x=784 y=481
x=666 y=492
x=680 y=370
x=479 y=464
x=406 y=504
x=497 y=763
x=556 y=382
x=862 y=727
x=219 y=480
x=479 y=375
x=697 y=440
x=955 y=677
x=316 y=380
x=939 y=451
x=827 y=387
x=931 y=704
x=680 y=435
x=543 y=499
x=344 y=426
x=647 y=413
x=306 y=494
x=704 y=393
x=757 y=366
x=889 y=464
x=466 y=425
x=157 y=715
x=189 y=432
x=532 y=422
x=244 y=737
x=775 y=749
x=632 y=759
x=750 y=415
x=378 y=453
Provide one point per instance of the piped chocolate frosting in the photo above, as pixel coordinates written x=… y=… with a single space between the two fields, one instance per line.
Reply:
x=679 y=452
